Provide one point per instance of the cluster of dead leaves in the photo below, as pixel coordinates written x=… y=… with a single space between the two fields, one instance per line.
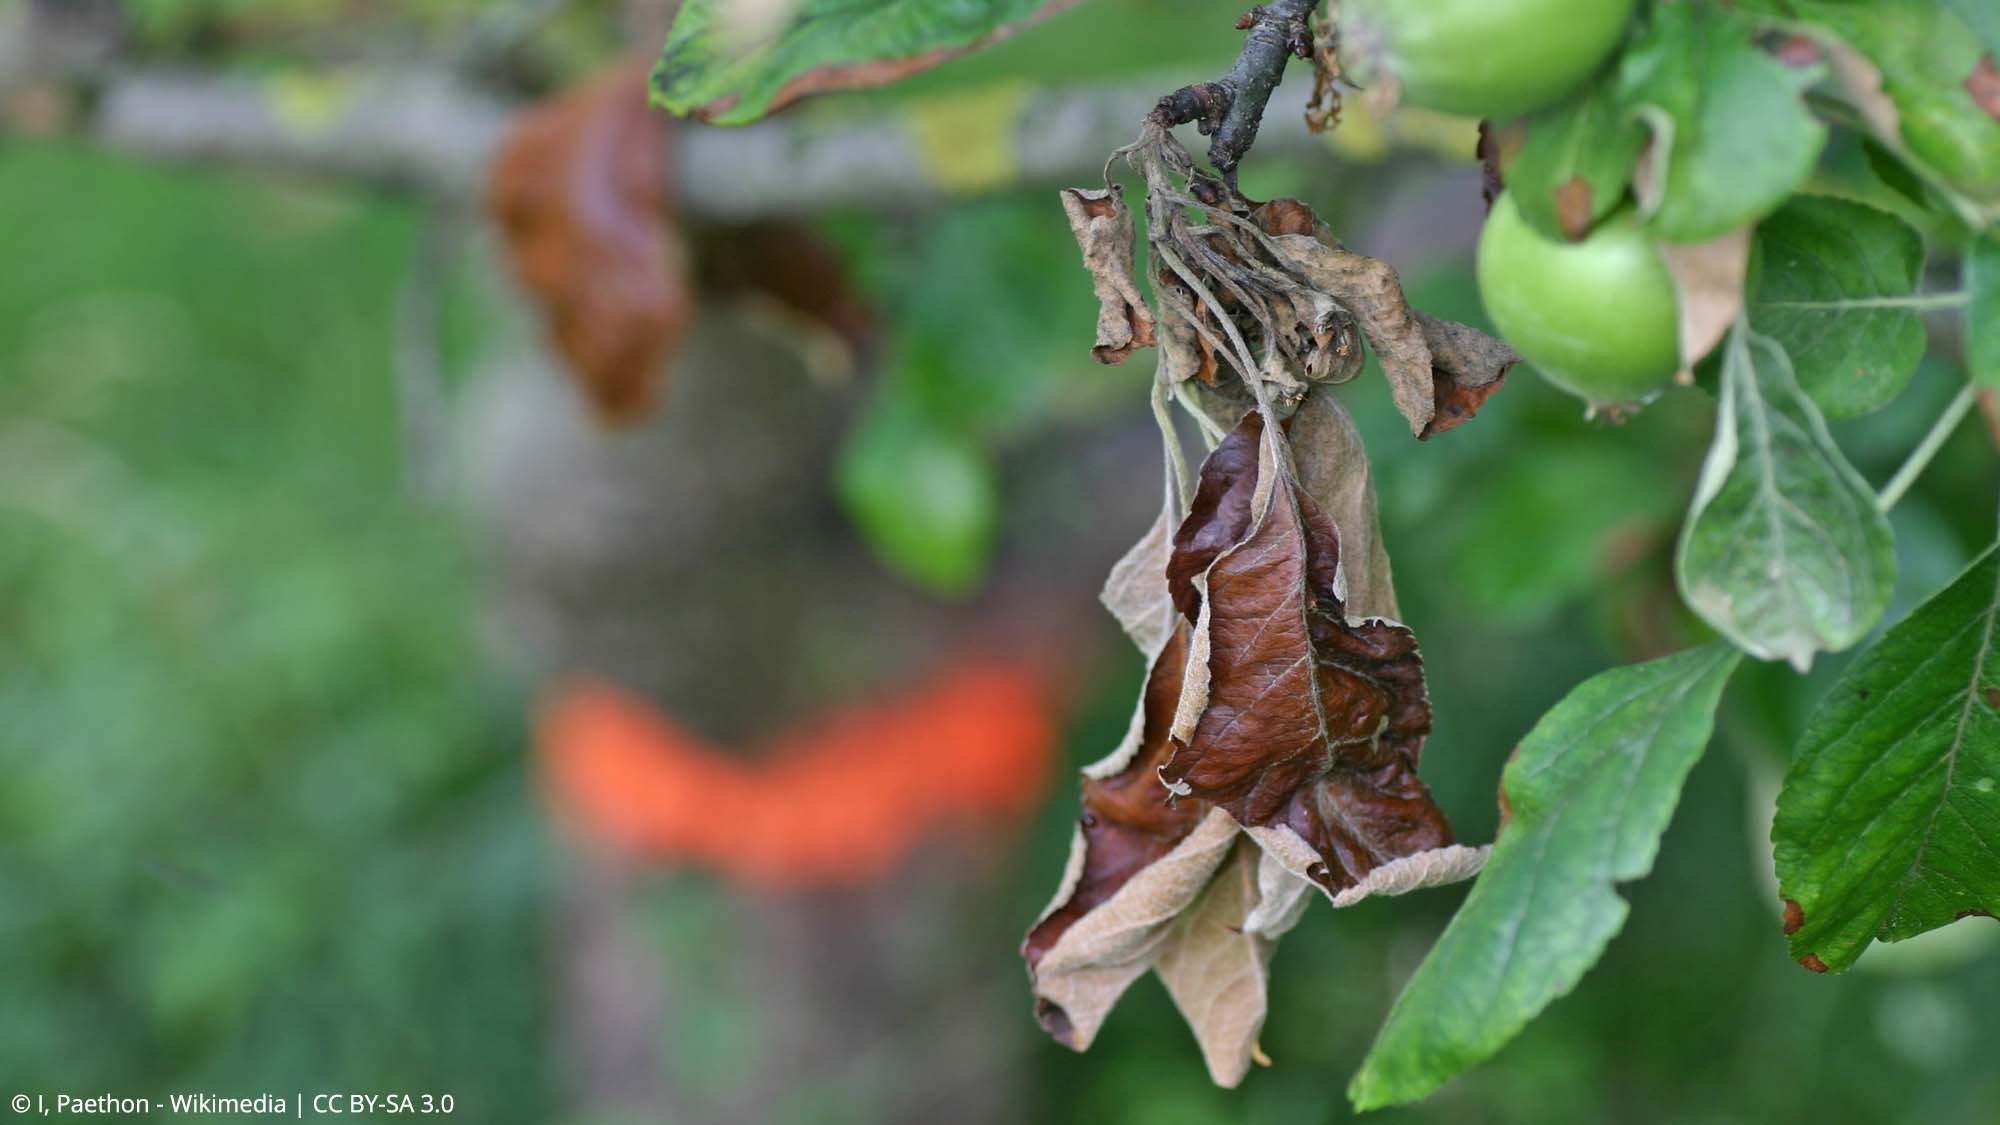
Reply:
x=1265 y=292
x=1274 y=749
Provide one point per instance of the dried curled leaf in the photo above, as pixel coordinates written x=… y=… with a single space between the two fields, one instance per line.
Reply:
x=1371 y=292
x=1104 y=230
x=1215 y=966
x=1266 y=293
x=1467 y=366
x=580 y=192
x=1313 y=721
x=1136 y=863
x=1283 y=702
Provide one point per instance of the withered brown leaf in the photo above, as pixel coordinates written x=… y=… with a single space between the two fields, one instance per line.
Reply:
x=1370 y=290
x=1313 y=721
x=1467 y=366
x=1128 y=828
x=1104 y=230
x=1127 y=822
x=580 y=190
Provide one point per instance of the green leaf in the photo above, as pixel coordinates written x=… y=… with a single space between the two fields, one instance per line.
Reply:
x=924 y=497
x=1983 y=17
x=1982 y=311
x=1731 y=135
x=1591 y=789
x=1555 y=526
x=716 y=64
x=1924 y=54
x=1784 y=551
x=1573 y=169
x=1832 y=285
x=1889 y=821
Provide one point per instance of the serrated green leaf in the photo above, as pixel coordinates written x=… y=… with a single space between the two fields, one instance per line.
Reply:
x=1831 y=285
x=1889 y=821
x=1731 y=135
x=1591 y=789
x=1784 y=551
x=1576 y=162
x=717 y=62
x=1982 y=311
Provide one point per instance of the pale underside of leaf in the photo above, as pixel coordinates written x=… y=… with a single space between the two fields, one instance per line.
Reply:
x=1091 y=965
x=1435 y=867
x=1215 y=968
x=1136 y=590
x=1333 y=469
x=1783 y=551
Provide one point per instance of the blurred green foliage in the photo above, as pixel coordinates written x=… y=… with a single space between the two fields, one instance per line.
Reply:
x=264 y=825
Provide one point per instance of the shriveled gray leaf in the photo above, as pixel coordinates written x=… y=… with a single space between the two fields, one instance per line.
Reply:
x=1333 y=469
x=1215 y=967
x=1467 y=368
x=1469 y=356
x=1136 y=590
x=1783 y=551
x=1372 y=293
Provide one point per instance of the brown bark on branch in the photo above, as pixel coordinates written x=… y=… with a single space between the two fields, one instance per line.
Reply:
x=1232 y=107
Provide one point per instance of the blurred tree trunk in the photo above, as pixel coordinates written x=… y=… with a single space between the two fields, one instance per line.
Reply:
x=695 y=559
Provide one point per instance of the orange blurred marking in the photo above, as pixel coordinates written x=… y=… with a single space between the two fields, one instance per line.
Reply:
x=840 y=800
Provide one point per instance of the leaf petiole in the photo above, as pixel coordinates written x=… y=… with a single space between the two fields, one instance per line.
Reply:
x=1920 y=457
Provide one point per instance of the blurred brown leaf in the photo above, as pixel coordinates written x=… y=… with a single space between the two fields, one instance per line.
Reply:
x=581 y=193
